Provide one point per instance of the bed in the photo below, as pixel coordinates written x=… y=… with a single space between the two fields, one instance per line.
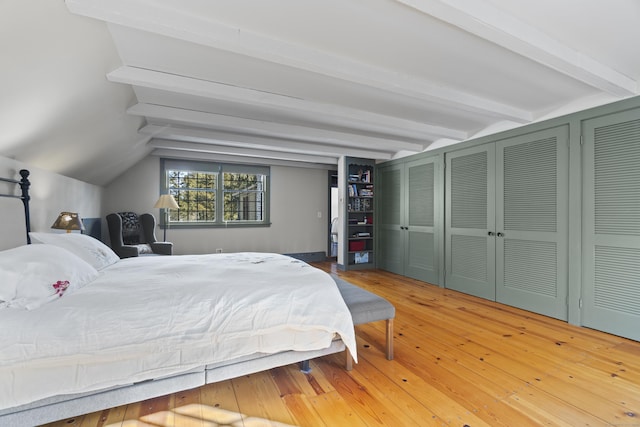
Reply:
x=83 y=330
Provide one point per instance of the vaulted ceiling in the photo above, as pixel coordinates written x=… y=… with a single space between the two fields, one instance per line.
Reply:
x=297 y=81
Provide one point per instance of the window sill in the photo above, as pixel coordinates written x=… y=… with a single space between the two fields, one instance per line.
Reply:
x=212 y=225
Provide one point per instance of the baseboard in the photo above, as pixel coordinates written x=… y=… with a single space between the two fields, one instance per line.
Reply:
x=309 y=256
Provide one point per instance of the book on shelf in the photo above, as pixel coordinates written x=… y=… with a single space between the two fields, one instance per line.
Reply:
x=361 y=176
x=365 y=204
x=356 y=245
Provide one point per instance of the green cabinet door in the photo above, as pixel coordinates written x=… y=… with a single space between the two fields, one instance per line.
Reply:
x=421 y=260
x=407 y=218
x=531 y=221
x=611 y=224
x=470 y=221
x=389 y=218
x=506 y=233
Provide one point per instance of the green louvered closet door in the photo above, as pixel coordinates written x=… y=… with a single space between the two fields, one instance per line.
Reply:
x=389 y=219
x=531 y=222
x=406 y=220
x=506 y=232
x=470 y=221
x=611 y=224
x=421 y=260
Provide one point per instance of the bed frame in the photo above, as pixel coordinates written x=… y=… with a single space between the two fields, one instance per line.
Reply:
x=66 y=406
x=24 y=186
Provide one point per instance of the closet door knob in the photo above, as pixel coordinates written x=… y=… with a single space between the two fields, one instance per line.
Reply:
x=491 y=233
x=500 y=234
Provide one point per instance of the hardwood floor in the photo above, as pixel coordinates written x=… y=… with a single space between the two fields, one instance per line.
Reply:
x=459 y=360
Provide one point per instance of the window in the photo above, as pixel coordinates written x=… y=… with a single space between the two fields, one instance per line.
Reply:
x=216 y=194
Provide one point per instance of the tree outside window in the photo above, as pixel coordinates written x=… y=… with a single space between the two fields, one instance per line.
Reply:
x=213 y=194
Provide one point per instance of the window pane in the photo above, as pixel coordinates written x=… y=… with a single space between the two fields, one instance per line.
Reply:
x=244 y=197
x=195 y=193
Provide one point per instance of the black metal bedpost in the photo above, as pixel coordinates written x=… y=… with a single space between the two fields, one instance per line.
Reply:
x=24 y=185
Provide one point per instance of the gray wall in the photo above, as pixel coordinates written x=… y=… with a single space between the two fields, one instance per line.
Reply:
x=51 y=194
x=297 y=195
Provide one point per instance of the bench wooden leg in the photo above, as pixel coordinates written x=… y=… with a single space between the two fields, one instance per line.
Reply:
x=348 y=361
x=389 y=339
x=389 y=349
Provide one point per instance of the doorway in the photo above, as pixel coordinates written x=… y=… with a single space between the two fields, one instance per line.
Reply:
x=332 y=248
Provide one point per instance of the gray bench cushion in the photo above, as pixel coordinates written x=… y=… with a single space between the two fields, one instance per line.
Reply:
x=364 y=306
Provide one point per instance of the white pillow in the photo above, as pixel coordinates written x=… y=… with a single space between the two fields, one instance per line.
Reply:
x=86 y=247
x=8 y=284
x=33 y=275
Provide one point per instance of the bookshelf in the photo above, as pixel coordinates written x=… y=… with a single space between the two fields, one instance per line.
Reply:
x=359 y=241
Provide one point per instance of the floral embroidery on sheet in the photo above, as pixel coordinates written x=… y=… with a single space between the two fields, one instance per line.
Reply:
x=60 y=287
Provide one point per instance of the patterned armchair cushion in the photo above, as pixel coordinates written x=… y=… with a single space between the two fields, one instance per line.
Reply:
x=130 y=228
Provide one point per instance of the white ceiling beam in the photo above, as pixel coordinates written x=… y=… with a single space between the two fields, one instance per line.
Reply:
x=244 y=126
x=349 y=117
x=217 y=157
x=202 y=136
x=176 y=23
x=484 y=20
x=242 y=152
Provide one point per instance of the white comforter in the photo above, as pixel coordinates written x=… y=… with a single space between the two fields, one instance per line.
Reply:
x=157 y=316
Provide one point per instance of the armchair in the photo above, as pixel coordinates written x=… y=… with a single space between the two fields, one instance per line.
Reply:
x=134 y=235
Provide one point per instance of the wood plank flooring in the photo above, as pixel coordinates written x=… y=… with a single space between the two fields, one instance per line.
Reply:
x=459 y=361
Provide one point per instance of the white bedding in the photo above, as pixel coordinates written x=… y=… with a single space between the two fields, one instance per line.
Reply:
x=148 y=317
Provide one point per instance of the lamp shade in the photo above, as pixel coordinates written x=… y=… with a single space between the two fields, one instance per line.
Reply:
x=166 y=201
x=68 y=221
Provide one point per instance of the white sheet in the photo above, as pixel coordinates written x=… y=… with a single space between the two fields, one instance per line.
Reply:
x=154 y=316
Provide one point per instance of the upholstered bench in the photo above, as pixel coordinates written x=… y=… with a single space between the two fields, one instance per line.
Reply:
x=367 y=307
